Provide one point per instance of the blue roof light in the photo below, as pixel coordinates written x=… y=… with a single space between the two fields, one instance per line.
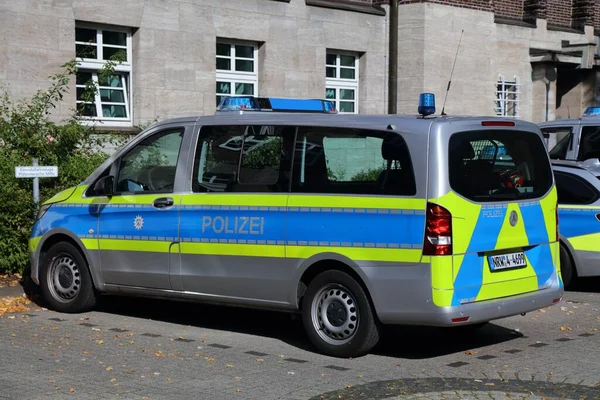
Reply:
x=594 y=110
x=250 y=103
x=426 y=104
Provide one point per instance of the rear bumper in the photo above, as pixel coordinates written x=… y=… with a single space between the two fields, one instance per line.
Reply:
x=395 y=308
x=484 y=311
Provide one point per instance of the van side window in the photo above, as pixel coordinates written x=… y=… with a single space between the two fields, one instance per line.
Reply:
x=560 y=141
x=150 y=166
x=352 y=161
x=243 y=159
x=589 y=146
x=571 y=189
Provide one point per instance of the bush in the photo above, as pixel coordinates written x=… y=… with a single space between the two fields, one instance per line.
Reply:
x=26 y=132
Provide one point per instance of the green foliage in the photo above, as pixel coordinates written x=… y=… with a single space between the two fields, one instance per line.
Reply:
x=27 y=132
x=369 y=175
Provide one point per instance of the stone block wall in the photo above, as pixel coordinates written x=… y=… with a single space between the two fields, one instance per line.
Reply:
x=430 y=34
x=174 y=48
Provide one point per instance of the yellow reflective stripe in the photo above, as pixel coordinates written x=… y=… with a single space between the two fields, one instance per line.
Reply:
x=512 y=236
x=150 y=246
x=237 y=199
x=300 y=200
x=441 y=278
x=140 y=198
x=90 y=244
x=548 y=205
x=77 y=197
x=33 y=243
x=442 y=298
x=589 y=242
x=223 y=249
x=508 y=288
x=361 y=253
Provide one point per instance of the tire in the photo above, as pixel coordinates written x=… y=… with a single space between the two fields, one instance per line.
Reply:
x=567 y=269
x=65 y=280
x=338 y=317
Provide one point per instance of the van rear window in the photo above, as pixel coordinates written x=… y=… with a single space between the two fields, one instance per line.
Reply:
x=486 y=166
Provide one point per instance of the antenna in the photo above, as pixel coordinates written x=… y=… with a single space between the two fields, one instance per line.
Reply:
x=452 y=72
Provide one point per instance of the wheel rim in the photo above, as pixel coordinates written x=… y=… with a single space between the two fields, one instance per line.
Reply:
x=334 y=314
x=64 y=279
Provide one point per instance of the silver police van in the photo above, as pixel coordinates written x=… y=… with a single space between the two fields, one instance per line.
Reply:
x=353 y=221
x=576 y=139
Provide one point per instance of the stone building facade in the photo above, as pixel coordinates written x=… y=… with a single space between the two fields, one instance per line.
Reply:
x=531 y=59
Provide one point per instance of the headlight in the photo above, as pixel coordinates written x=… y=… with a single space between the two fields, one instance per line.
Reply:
x=42 y=211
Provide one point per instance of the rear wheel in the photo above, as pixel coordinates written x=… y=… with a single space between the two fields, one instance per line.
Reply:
x=567 y=269
x=338 y=317
x=65 y=281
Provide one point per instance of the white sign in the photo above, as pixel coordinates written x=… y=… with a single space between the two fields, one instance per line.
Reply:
x=36 y=172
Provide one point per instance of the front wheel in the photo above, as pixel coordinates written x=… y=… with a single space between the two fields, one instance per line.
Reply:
x=338 y=317
x=65 y=280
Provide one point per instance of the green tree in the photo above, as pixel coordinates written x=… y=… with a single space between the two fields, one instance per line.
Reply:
x=27 y=132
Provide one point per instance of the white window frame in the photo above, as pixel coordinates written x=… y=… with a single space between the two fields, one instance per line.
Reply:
x=123 y=69
x=504 y=89
x=232 y=76
x=338 y=83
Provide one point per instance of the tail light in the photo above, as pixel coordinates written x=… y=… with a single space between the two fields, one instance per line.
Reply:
x=438 y=231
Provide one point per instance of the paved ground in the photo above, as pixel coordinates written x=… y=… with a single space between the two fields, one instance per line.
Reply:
x=136 y=349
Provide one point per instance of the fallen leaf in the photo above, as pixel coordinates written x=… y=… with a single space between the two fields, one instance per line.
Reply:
x=209 y=359
x=109 y=368
x=113 y=380
x=470 y=352
x=238 y=390
x=565 y=328
x=100 y=341
x=260 y=360
x=9 y=305
x=72 y=390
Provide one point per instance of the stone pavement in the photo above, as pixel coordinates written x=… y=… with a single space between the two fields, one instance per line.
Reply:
x=137 y=348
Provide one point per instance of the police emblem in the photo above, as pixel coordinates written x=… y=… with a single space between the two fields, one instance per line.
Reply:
x=513 y=218
x=138 y=222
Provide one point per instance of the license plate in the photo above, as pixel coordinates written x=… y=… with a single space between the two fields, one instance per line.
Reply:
x=507 y=261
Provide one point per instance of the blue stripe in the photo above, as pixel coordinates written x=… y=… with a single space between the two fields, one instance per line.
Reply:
x=578 y=222
x=539 y=256
x=343 y=227
x=485 y=236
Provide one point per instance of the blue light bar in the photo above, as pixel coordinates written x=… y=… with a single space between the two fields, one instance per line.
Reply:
x=594 y=110
x=250 y=103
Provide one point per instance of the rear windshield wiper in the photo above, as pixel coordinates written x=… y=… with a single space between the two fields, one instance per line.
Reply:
x=501 y=196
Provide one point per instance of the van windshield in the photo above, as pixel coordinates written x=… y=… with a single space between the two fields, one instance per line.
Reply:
x=488 y=165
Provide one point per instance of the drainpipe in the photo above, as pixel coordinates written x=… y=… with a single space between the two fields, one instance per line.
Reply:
x=393 y=59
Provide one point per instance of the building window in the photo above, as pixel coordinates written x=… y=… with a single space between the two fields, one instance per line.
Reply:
x=508 y=96
x=104 y=56
x=341 y=81
x=236 y=69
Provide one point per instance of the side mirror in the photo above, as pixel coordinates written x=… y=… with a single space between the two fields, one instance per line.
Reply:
x=105 y=186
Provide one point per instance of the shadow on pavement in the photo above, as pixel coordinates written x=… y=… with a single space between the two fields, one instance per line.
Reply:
x=401 y=342
x=586 y=285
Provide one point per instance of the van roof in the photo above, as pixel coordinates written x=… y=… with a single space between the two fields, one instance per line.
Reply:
x=371 y=121
x=593 y=119
x=591 y=165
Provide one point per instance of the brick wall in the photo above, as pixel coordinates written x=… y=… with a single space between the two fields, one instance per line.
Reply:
x=583 y=13
x=597 y=16
x=559 y=12
x=534 y=9
x=483 y=5
x=512 y=9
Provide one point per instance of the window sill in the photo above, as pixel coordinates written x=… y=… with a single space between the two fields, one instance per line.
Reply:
x=561 y=28
x=347 y=6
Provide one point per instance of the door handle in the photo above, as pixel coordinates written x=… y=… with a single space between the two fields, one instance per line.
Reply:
x=163 y=202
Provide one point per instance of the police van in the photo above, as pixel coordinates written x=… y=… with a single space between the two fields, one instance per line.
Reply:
x=354 y=221
x=578 y=190
x=575 y=139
